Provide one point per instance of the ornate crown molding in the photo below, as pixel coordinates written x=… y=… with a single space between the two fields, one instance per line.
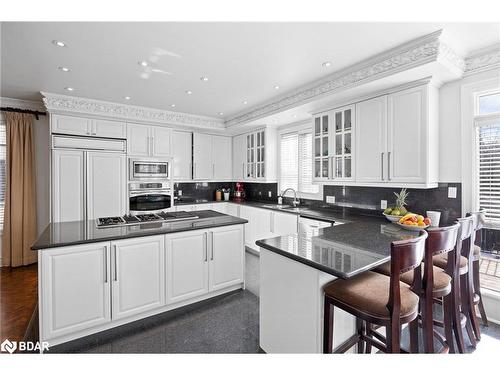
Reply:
x=63 y=103
x=482 y=61
x=22 y=104
x=412 y=54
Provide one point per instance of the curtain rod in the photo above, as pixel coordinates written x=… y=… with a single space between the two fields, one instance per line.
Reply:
x=35 y=113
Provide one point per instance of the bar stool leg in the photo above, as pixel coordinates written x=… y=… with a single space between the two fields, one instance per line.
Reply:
x=465 y=302
x=427 y=323
x=360 y=328
x=328 y=327
x=456 y=316
x=414 y=335
x=369 y=327
x=393 y=337
x=477 y=290
x=448 y=321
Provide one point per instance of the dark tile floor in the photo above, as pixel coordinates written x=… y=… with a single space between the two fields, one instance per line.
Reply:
x=225 y=324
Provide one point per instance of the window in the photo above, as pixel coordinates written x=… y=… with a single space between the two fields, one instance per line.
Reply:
x=3 y=151
x=296 y=163
x=487 y=123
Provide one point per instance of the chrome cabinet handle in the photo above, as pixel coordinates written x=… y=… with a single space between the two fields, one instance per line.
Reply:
x=382 y=165
x=205 y=247
x=106 y=264
x=116 y=262
x=194 y=170
x=243 y=169
x=212 y=245
x=389 y=166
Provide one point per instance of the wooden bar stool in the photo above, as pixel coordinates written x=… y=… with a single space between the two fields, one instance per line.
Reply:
x=378 y=299
x=476 y=258
x=436 y=285
x=456 y=268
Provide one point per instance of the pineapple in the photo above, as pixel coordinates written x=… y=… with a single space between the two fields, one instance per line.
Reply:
x=401 y=201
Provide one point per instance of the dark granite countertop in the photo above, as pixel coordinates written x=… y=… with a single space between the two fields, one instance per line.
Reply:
x=361 y=244
x=81 y=232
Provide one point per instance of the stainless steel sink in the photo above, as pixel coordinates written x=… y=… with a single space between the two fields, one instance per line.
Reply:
x=278 y=206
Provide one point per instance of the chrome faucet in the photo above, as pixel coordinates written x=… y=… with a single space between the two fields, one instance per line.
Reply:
x=295 y=201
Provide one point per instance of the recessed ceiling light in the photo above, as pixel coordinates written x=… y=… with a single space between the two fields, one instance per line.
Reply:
x=143 y=63
x=245 y=102
x=204 y=79
x=189 y=92
x=221 y=113
x=127 y=98
x=276 y=87
x=59 y=43
x=69 y=88
x=172 y=105
x=326 y=64
x=294 y=116
x=64 y=69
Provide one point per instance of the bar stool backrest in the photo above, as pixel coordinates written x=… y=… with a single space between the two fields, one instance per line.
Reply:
x=479 y=220
x=440 y=241
x=406 y=255
x=465 y=240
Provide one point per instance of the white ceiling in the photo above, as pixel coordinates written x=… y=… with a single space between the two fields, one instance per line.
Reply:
x=243 y=61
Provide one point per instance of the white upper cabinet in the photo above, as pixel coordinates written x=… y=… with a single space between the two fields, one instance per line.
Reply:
x=409 y=136
x=333 y=145
x=182 y=154
x=255 y=156
x=239 y=156
x=371 y=140
x=72 y=125
x=222 y=157
x=395 y=142
x=211 y=157
x=106 y=184
x=148 y=141
x=203 y=167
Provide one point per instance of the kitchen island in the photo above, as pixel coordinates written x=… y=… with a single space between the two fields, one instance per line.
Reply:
x=294 y=270
x=93 y=279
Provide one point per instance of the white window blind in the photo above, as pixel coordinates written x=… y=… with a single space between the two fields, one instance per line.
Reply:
x=3 y=150
x=296 y=163
x=289 y=161
x=488 y=171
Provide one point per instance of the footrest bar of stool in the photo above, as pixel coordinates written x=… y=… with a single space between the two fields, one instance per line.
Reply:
x=347 y=344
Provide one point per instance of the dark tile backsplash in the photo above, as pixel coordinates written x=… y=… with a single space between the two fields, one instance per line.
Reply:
x=419 y=200
x=354 y=198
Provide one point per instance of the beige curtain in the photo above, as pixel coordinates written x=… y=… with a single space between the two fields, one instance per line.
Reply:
x=19 y=229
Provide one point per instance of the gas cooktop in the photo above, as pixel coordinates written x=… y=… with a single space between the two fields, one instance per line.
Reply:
x=116 y=221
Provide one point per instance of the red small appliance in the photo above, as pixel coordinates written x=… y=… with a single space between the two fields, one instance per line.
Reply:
x=239 y=194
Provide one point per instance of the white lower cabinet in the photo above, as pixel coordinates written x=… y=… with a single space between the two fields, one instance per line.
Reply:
x=226 y=262
x=138 y=275
x=283 y=224
x=187 y=265
x=75 y=293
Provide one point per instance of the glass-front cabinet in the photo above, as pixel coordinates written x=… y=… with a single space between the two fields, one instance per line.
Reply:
x=255 y=152
x=333 y=145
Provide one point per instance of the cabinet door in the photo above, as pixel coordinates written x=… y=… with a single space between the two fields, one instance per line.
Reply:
x=70 y=125
x=371 y=140
x=407 y=135
x=341 y=143
x=182 y=154
x=68 y=185
x=161 y=142
x=220 y=207
x=232 y=209
x=187 y=265
x=203 y=168
x=239 y=157
x=221 y=157
x=250 y=156
x=283 y=224
x=106 y=184
x=109 y=129
x=138 y=275
x=246 y=213
x=226 y=257
x=321 y=147
x=74 y=289
x=138 y=140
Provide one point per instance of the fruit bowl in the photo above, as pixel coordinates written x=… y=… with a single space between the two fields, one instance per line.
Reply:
x=414 y=228
x=392 y=218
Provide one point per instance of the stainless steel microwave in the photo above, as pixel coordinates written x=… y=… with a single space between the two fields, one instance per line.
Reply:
x=148 y=169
